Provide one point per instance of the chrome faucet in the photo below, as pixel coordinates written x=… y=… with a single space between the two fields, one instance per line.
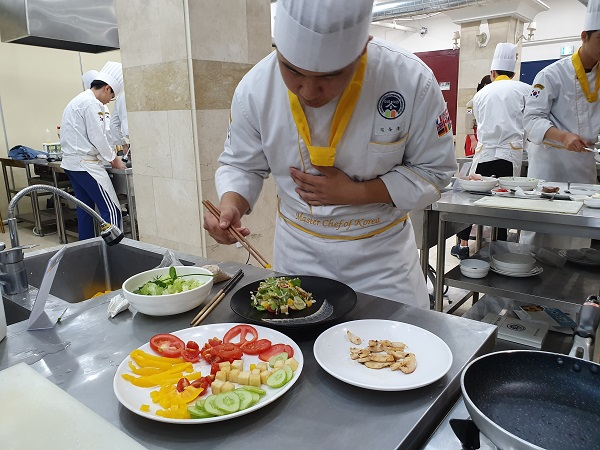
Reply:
x=13 y=276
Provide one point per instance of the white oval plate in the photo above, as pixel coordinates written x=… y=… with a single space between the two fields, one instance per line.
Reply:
x=533 y=272
x=132 y=397
x=583 y=262
x=332 y=352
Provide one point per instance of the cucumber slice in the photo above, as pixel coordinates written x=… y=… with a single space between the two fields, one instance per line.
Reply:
x=228 y=402
x=211 y=407
x=277 y=379
x=289 y=373
x=255 y=397
x=279 y=357
x=198 y=412
x=255 y=389
x=245 y=398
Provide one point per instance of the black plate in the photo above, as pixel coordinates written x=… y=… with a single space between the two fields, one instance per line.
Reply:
x=339 y=295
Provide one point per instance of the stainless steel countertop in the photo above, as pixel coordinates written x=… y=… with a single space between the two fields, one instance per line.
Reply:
x=81 y=355
x=56 y=165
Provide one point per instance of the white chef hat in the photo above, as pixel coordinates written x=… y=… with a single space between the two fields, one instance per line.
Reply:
x=322 y=35
x=112 y=74
x=88 y=77
x=592 y=16
x=505 y=57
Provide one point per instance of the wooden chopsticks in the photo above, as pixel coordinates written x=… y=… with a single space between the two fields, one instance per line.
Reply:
x=217 y=298
x=238 y=236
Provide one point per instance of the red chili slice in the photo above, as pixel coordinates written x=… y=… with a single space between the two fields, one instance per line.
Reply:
x=255 y=347
x=242 y=331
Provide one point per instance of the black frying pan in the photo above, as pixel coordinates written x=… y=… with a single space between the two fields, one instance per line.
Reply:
x=537 y=400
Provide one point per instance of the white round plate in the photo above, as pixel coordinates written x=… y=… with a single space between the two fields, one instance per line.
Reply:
x=535 y=195
x=332 y=352
x=583 y=262
x=533 y=272
x=132 y=397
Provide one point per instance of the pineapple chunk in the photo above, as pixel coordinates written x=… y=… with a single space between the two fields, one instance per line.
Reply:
x=232 y=375
x=264 y=375
x=216 y=386
x=221 y=375
x=279 y=364
x=224 y=365
x=256 y=371
x=244 y=378
x=292 y=363
x=238 y=364
x=262 y=366
x=228 y=387
x=254 y=379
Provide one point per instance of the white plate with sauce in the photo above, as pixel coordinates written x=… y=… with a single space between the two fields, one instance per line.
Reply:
x=332 y=352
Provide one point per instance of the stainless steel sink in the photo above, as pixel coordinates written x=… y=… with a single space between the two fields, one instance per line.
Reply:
x=90 y=267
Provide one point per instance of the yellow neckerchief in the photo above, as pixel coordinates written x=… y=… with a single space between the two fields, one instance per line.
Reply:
x=324 y=156
x=583 y=80
x=501 y=77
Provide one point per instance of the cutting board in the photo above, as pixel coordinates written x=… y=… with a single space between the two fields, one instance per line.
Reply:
x=37 y=414
x=554 y=206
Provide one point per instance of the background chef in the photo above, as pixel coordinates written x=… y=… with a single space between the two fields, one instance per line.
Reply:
x=85 y=147
x=562 y=116
x=356 y=134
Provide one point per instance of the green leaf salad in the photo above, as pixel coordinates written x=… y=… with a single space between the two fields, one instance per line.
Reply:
x=279 y=295
x=170 y=284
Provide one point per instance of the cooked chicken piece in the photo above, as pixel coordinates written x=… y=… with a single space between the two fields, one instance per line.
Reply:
x=377 y=365
x=354 y=356
x=399 y=355
x=373 y=343
x=364 y=360
x=381 y=358
x=409 y=364
x=353 y=338
x=376 y=348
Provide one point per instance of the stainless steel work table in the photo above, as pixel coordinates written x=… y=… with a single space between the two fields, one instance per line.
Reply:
x=81 y=355
x=457 y=206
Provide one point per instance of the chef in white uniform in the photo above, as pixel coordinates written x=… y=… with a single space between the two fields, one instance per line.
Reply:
x=562 y=116
x=87 y=78
x=86 y=148
x=119 y=124
x=356 y=134
x=498 y=109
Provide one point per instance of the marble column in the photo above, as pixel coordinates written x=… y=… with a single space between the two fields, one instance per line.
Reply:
x=182 y=60
x=475 y=61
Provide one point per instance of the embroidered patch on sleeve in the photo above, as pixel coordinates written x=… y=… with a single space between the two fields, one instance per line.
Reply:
x=537 y=90
x=443 y=123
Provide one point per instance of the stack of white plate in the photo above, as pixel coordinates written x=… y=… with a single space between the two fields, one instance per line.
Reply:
x=514 y=265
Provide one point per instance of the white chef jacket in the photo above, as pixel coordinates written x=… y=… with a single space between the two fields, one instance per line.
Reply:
x=400 y=131
x=498 y=110
x=557 y=99
x=84 y=133
x=119 y=125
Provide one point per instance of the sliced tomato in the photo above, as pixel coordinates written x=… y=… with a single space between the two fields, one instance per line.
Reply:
x=167 y=345
x=255 y=347
x=206 y=351
x=242 y=331
x=289 y=350
x=190 y=355
x=182 y=384
x=228 y=352
x=202 y=383
x=275 y=349
x=193 y=345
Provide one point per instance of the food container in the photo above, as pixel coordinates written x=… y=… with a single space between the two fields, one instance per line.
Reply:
x=166 y=305
x=474 y=268
x=513 y=262
x=527 y=184
x=483 y=185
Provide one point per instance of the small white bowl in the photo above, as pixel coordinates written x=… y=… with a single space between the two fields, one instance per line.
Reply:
x=474 y=268
x=513 y=262
x=592 y=202
x=527 y=184
x=166 y=305
x=483 y=185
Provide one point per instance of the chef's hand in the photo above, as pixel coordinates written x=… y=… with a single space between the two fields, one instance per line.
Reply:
x=118 y=164
x=217 y=228
x=331 y=187
x=574 y=142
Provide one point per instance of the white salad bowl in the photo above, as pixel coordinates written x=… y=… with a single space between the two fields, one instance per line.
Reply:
x=527 y=184
x=513 y=262
x=169 y=304
x=483 y=185
x=474 y=268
